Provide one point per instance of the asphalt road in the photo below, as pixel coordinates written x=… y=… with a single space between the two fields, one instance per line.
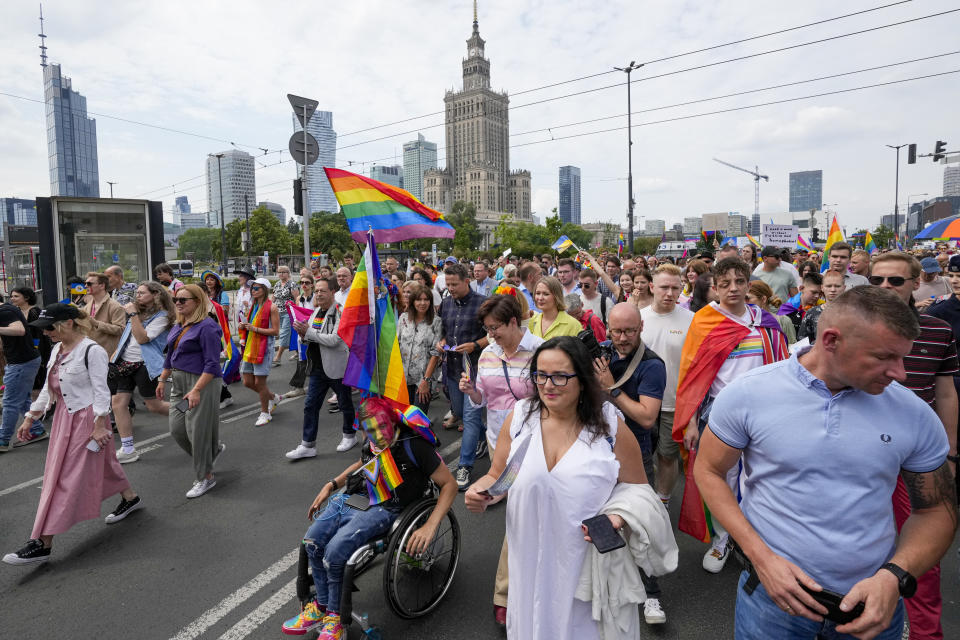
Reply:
x=223 y=565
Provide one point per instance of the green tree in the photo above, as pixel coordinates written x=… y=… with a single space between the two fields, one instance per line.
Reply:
x=329 y=231
x=553 y=225
x=293 y=227
x=882 y=236
x=267 y=233
x=199 y=242
x=463 y=218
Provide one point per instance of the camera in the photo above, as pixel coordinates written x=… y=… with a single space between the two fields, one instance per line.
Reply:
x=590 y=342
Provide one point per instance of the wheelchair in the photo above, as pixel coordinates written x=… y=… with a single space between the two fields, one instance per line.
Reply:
x=412 y=586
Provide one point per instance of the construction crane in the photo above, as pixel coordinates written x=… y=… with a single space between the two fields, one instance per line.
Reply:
x=756 y=184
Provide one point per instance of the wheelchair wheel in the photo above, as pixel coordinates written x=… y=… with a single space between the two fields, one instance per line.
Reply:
x=414 y=586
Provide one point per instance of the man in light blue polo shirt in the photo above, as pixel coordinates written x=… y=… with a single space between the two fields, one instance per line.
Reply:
x=823 y=444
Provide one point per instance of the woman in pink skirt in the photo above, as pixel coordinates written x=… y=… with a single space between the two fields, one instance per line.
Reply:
x=81 y=469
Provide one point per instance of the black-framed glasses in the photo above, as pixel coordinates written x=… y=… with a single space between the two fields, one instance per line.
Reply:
x=896 y=281
x=616 y=333
x=558 y=379
x=306 y=282
x=182 y=299
x=90 y=284
x=491 y=329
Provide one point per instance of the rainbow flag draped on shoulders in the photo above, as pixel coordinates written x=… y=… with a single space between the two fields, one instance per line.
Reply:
x=368 y=325
x=394 y=214
x=382 y=477
x=710 y=340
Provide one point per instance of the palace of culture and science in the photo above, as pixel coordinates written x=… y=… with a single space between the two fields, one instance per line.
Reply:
x=478 y=150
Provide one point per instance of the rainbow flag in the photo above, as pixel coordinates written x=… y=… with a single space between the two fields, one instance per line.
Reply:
x=368 y=325
x=868 y=244
x=835 y=235
x=418 y=422
x=392 y=213
x=382 y=477
x=315 y=255
x=231 y=352
x=803 y=244
x=753 y=240
x=896 y=238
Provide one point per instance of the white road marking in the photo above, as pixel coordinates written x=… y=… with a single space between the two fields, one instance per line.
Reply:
x=22 y=485
x=223 y=608
x=258 y=616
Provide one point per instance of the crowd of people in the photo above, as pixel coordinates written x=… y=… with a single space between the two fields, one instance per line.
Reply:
x=812 y=406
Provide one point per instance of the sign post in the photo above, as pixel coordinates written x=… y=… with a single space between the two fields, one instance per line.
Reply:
x=304 y=109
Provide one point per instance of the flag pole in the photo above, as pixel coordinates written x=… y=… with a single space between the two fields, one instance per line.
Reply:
x=372 y=239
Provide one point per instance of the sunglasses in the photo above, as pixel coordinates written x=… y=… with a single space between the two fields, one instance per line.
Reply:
x=182 y=300
x=896 y=281
x=90 y=284
x=307 y=282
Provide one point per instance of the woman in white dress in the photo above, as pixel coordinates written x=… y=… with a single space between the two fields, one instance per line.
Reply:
x=577 y=450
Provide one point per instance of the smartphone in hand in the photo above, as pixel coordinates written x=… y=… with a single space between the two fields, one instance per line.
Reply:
x=831 y=602
x=182 y=406
x=605 y=538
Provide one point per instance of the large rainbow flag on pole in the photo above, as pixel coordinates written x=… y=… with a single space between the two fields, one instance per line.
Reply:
x=394 y=214
x=368 y=325
x=835 y=235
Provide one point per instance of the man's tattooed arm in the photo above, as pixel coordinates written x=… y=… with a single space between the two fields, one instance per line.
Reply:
x=933 y=489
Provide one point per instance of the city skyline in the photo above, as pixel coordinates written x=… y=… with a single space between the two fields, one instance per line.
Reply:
x=843 y=134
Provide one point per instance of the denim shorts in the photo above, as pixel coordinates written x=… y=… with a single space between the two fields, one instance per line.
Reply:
x=262 y=369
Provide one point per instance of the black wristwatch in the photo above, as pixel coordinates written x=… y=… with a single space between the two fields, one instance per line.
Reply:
x=615 y=392
x=907 y=583
x=333 y=481
x=953 y=459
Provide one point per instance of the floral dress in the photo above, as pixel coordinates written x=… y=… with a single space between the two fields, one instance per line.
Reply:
x=418 y=343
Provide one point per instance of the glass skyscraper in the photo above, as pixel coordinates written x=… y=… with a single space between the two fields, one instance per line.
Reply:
x=806 y=190
x=418 y=156
x=570 y=194
x=71 y=138
x=391 y=174
x=319 y=193
x=236 y=173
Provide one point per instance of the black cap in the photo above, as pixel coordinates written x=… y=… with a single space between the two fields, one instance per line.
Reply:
x=245 y=271
x=770 y=251
x=705 y=254
x=56 y=312
x=954 y=265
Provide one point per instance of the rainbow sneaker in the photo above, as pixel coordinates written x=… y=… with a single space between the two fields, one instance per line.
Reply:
x=310 y=617
x=332 y=629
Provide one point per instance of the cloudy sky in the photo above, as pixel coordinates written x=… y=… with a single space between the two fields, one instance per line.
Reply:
x=222 y=70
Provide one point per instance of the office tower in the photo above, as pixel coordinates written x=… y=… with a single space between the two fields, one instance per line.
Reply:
x=392 y=174
x=181 y=205
x=569 y=208
x=737 y=225
x=275 y=209
x=319 y=193
x=236 y=173
x=71 y=135
x=692 y=226
x=418 y=156
x=19 y=211
x=806 y=190
x=654 y=227
x=951 y=180
x=755 y=225
x=198 y=220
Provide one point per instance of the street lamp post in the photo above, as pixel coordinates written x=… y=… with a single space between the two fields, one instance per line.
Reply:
x=630 y=67
x=223 y=227
x=111 y=187
x=896 y=191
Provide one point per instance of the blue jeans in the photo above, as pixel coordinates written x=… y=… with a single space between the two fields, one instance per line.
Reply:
x=318 y=385
x=473 y=427
x=758 y=618
x=18 y=382
x=335 y=534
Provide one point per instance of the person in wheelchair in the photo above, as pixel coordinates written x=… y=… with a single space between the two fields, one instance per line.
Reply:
x=348 y=521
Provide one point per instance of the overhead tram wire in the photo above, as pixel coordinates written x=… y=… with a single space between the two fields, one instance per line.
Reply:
x=665 y=58
x=669 y=73
x=652 y=61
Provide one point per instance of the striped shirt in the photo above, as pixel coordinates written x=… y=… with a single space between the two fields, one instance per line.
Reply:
x=499 y=393
x=934 y=354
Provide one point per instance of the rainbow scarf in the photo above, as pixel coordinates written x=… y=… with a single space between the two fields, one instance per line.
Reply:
x=231 y=354
x=711 y=338
x=256 y=343
x=382 y=477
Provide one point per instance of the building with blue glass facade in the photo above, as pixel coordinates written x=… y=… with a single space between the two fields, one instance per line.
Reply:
x=806 y=190
x=319 y=193
x=181 y=205
x=418 y=156
x=19 y=211
x=71 y=138
x=391 y=174
x=569 y=209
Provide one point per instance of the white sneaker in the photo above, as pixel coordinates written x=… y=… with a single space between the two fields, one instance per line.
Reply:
x=201 y=487
x=652 y=613
x=347 y=443
x=716 y=557
x=127 y=458
x=295 y=392
x=274 y=401
x=302 y=451
x=226 y=402
x=263 y=419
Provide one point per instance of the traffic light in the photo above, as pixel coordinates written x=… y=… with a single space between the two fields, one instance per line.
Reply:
x=939 y=151
x=298 y=197
x=912 y=154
